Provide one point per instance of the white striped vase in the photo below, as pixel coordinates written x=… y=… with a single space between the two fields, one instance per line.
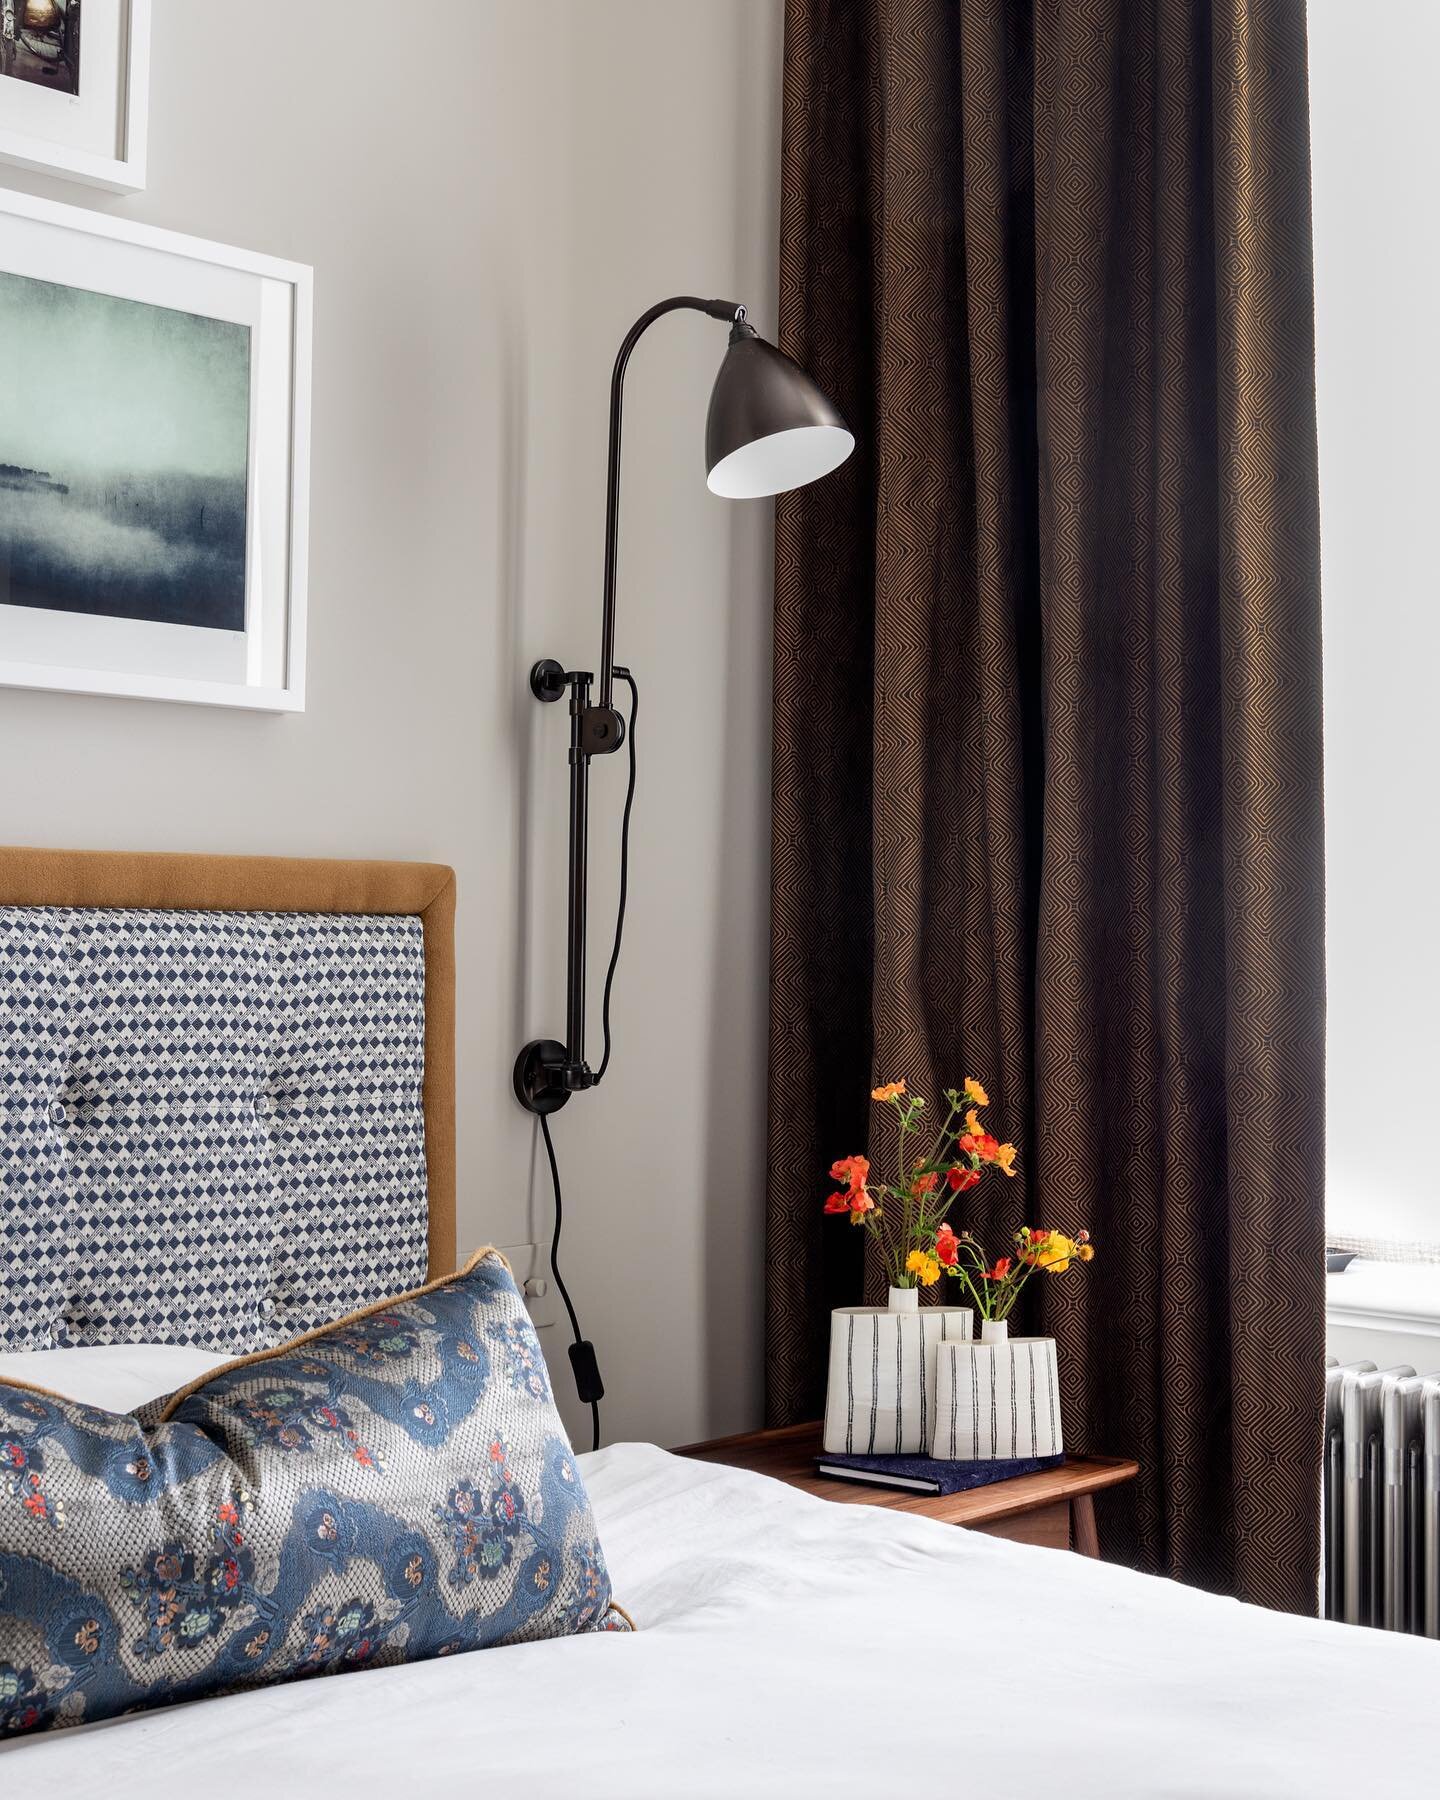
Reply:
x=997 y=1401
x=880 y=1400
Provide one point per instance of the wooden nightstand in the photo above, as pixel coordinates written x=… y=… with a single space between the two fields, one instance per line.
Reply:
x=1054 y=1508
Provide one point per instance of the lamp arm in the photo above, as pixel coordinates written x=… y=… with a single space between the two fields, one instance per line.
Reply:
x=729 y=310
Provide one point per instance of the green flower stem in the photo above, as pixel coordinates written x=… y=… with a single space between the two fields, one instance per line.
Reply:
x=979 y=1302
x=904 y=1111
x=1014 y=1286
x=982 y=1295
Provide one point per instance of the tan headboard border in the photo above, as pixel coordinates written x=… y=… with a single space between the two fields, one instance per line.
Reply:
x=123 y=878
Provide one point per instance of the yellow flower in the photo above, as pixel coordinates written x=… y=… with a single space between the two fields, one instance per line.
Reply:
x=973 y=1125
x=924 y=1267
x=974 y=1091
x=1055 y=1253
x=1005 y=1159
x=892 y=1090
x=1087 y=1252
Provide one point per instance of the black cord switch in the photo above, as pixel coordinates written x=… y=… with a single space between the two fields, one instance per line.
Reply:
x=587 y=1371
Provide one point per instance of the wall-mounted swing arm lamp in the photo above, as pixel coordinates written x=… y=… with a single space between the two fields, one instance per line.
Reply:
x=769 y=429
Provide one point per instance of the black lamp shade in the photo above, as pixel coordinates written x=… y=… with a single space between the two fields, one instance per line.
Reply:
x=769 y=427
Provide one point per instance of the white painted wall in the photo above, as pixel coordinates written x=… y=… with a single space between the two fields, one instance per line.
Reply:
x=1376 y=150
x=490 y=192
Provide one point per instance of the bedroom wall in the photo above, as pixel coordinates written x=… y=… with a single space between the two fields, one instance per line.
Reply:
x=489 y=195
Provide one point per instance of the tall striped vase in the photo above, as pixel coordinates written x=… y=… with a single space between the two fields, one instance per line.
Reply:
x=880 y=1398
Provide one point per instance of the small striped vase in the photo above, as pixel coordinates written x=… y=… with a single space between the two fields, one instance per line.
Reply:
x=880 y=1398
x=996 y=1400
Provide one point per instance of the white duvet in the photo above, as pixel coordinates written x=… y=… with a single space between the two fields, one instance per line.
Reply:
x=790 y=1646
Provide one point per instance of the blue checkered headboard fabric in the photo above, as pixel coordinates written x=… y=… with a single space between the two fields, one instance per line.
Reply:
x=211 y=1126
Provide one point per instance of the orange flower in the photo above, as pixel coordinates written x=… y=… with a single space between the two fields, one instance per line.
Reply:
x=925 y=1184
x=972 y=1123
x=974 y=1091
x=1005 y=1159
x=856 y=1201
x=892 y=1090
x=1000 y=1271
x=962 y=1179
x=987 y=1148
x=852 y=1169
x=947 y=1247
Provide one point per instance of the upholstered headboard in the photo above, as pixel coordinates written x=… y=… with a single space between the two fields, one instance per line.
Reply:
x=227 y=1098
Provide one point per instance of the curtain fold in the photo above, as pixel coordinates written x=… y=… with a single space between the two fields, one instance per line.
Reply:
x=1047 y=776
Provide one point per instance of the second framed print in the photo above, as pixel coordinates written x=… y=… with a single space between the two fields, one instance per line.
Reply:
x=75 y=88
x=154 y=462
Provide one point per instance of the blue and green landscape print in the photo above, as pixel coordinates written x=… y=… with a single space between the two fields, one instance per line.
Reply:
x=124 y=431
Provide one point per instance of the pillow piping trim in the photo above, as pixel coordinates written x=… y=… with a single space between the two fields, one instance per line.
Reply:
x=181 y=1395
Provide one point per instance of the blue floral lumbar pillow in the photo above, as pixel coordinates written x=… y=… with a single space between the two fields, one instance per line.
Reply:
x=393 y=1487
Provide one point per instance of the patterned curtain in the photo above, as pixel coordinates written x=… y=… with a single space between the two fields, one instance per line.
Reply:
x=1047 y=791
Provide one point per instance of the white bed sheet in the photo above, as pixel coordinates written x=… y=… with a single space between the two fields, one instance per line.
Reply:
x=789 y=1646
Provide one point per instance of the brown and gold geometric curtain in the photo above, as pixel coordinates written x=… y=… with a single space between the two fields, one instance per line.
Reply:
x=1047 y=780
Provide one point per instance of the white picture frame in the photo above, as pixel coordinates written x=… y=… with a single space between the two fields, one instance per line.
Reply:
x=84 y=259
x=97 y=136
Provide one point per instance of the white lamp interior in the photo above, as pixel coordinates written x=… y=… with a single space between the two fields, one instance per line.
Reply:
x=784 y=460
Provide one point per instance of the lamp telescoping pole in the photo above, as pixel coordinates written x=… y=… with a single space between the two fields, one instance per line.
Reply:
x=579 y=878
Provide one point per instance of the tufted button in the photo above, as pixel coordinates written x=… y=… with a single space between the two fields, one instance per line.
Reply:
x=58 y=1114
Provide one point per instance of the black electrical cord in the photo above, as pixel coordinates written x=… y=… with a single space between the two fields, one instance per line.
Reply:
x=560 y=1279
x=582 y=1352
x=629 y=680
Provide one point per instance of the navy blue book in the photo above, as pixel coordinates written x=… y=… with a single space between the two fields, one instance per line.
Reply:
x=928 y=1475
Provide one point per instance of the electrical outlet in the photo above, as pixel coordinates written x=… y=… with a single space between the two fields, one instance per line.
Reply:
x=535 y=1282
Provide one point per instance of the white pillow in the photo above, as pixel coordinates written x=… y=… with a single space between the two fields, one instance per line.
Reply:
x=115 y=1377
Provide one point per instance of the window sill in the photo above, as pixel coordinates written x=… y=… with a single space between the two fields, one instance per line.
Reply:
x=1377 y=1296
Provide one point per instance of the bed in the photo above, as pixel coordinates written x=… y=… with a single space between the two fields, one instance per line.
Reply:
x=789 y=1646
x=784 y=1645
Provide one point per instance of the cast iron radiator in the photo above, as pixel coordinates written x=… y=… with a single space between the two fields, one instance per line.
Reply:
x=1382 y=1497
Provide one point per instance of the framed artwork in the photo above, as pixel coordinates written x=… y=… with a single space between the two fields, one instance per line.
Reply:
x=74 y=88
x=154 y=462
